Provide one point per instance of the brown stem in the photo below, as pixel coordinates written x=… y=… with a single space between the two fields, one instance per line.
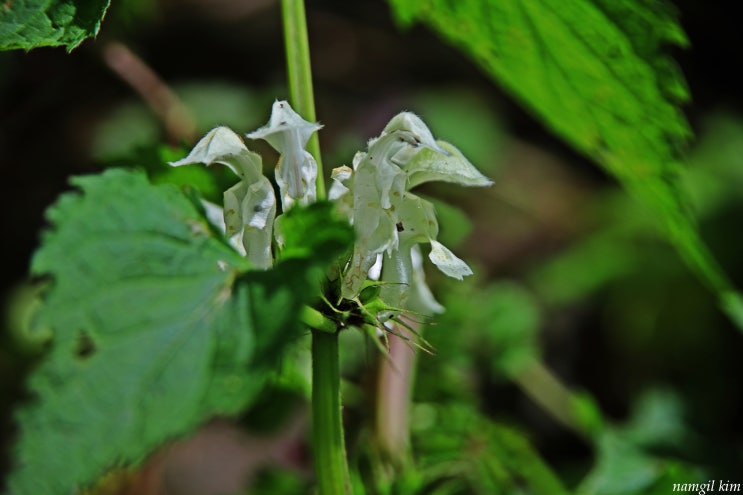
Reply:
x=177 y=119
x=394 y=383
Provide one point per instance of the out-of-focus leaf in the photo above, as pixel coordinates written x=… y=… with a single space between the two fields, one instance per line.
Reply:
x=657 y=420
x=585 y=268
x=158 y=324
x=622 y=468
x=594 y=73
x=310 y=229
x=28 y=24
x=624 y=462
x=507 y=320
x=127 y=127
x=220 y=103
x=485 y=457
x=715 y=176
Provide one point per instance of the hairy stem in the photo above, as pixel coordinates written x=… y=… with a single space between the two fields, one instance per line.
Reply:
x=299 y=72
x=327 y=432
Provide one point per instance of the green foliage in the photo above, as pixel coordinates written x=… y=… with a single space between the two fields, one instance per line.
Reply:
x=625 y=463
x=498 y=324
x=463 y=452
x=313 y=229
x=31 y=24
x=158 y=324
x=593 y=72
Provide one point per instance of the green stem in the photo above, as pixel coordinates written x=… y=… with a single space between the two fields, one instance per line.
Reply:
x=299 y=72
x=315 y=320
x=327 y=424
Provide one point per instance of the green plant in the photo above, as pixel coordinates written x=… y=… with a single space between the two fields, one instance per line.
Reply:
x=215 y=308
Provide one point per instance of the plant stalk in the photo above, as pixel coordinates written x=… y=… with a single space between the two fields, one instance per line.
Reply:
x=299 y=72
x=327 y=423
x=394 y=383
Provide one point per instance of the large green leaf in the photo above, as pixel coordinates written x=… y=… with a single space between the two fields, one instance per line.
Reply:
x=31 y=24
x=158 y=324
x=592 y=71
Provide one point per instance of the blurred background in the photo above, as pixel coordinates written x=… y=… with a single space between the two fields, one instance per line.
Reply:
x=582 y=328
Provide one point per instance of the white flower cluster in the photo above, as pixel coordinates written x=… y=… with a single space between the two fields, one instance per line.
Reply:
x=389 y=221
x=250 y=205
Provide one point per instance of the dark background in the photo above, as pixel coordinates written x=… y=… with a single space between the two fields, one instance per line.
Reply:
x=53 y=104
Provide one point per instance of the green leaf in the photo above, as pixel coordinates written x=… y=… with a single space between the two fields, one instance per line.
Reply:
x=310 y=229
x=31 y=24
x=158 y=325
x=456 y=441
x=593 y=72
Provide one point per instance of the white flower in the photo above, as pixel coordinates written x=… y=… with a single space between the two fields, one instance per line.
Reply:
x=250 y=205
x=296 y=171
x=388 y=219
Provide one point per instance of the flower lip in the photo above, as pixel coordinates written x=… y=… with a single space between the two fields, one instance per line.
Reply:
x=284 y=119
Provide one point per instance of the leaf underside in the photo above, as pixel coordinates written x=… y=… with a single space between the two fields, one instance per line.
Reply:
x=27 y=24
x=158 y=325
x=594 y=72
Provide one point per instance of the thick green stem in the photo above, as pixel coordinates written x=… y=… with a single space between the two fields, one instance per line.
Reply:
x=315 y=320
x=327 y=424
x=299 y=72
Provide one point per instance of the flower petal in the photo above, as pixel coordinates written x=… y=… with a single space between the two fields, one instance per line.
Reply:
x=283 y=119
x=410 y=122
x=429 y=165
x=447 y=262
x=421 y=299
x=417 y=219
x=222 y=145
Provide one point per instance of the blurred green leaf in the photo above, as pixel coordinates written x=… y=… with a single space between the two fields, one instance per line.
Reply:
x=593 y=72
x=583 y=269
x=157 y=323
x=625 y=463
x=715 y=176
x=213 y=103
x=657 y=419
x=28 y=24
x=126 y=128
x=484 y=457
x=622 y=468
x=131 y=125
x=312 y=229
x=504 y=319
